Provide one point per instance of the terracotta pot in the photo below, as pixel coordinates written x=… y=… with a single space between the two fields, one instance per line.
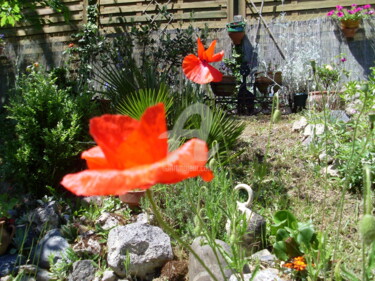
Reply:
x=319 y=99
x=349 y=27
x=263 y=82
x=7 y=232
x=349 y=23
x=226 y=87
x=236 y=36
x=133 y=198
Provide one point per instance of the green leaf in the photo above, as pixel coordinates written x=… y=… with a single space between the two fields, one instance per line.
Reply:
x=282 y=234
x=306 y=232
x=280 y=250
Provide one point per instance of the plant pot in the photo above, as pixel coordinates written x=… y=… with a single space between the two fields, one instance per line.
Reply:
x=319 y=99
x=226 y=87
x=350 y=23
x=299 y=101
x=133 y=198
x=236 y=31
x=349 y=27
x=7 y=231
x=236 y=36
x=263 y=82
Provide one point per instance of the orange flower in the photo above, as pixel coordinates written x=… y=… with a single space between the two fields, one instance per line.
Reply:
x=298 y=263
x=198 y=68
x=71 y=45
x=133 y=154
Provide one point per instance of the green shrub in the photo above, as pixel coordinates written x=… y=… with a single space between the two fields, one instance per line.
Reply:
x=48 y=131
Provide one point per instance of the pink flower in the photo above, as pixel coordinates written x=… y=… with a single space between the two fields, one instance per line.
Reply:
x=343 y=59
x=339 y=8
x=370 y=12
x=330 y=13
x=354 y=5
x=340 y=14
x=368 y=6
x=351 y=12
x=358 y=9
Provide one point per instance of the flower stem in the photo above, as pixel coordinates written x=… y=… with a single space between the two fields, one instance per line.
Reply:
x=171 y=232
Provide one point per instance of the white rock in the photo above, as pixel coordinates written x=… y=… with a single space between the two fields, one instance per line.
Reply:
x=109 y=275
x=148 y=247
x=311 y=130
x=269 y=274
x=145 y=218
x=108 y=221
x=299 y=124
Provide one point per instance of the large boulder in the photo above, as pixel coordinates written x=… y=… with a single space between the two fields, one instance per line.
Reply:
x=51 y=244
x=147 y=246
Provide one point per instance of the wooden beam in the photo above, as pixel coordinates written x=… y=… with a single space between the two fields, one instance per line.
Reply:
x=230 y=10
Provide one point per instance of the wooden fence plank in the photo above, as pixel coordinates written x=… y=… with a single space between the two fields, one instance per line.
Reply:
x=105 y=10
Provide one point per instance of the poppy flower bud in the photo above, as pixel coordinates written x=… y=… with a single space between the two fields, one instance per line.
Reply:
x=276 y=116
x=367 y=228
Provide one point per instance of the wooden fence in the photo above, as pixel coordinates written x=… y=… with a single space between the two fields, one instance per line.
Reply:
x=214 y=13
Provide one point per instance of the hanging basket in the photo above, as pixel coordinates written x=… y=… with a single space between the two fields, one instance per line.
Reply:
x=236 y=37
x=236 y=31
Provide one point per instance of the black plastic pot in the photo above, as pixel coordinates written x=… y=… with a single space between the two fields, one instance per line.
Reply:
x=299 y=101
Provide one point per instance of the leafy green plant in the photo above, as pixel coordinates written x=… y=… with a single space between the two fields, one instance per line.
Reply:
x=60 y=269
x=48 y=128
x=292 y=237
x=13 y=11
x=135 y=104
x=7 y=203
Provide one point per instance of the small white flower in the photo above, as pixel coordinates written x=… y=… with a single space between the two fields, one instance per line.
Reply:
x=329 y=67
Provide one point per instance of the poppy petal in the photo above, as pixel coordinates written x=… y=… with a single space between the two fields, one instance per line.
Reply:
x=200 y=49
x=110 y=131
x=186 y=162
x=216 y=74
x=148 y=143
x=95 y=158
x=198 y=71
x=217 y=57
x=209 y=52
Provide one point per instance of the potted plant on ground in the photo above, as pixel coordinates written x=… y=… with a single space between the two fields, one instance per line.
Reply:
x=268 y=76
x=350 y=17
x=327 y=82
x=230 y=67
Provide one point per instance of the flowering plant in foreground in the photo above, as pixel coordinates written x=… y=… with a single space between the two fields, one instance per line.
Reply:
x=354 y=12
x=198 y=69
x=133 y=154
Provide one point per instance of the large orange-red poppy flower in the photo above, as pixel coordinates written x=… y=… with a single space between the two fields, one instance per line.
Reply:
x=198 y=68
x=133 y=154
